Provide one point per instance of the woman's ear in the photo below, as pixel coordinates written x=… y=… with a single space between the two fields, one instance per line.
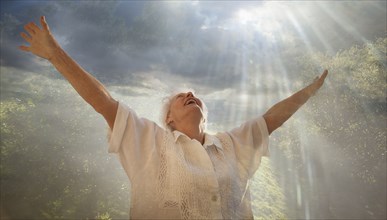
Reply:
x=171 y=123
x=169 y=119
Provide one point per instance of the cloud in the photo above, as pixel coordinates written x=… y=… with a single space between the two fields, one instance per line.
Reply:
x=202 y=43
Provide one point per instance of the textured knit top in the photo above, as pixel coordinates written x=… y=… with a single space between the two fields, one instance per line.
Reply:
x=175 y=177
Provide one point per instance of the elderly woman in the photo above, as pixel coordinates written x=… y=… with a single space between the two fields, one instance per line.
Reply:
x=176 y=172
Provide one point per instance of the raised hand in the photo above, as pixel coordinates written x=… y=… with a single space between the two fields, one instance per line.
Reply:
x=317 y=83
x=42 y=42
x=283 y=110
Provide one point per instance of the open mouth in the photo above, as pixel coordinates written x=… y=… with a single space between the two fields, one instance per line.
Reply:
x=190 y=102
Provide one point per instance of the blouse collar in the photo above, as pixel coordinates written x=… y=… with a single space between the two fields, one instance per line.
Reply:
x=209 y=140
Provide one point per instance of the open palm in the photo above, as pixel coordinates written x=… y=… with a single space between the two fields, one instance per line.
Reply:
x=317 y=83
x=42 y=43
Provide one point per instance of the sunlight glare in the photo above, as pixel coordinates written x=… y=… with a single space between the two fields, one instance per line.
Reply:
x=244 y=16
x=265 y=19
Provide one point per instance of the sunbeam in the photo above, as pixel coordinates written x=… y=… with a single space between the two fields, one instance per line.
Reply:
x=342 y=22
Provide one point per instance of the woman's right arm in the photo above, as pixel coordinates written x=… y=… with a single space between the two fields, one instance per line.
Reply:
x=43 y=44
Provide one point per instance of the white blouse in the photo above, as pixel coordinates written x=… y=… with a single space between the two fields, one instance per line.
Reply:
x=175 y=177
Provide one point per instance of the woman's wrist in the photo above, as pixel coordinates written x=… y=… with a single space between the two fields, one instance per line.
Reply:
x=56 y=53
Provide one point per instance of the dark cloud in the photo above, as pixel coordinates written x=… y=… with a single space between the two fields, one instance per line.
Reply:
x=200 y=41
x=10 y=40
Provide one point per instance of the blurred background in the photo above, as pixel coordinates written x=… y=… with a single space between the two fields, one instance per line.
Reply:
x=327 y=162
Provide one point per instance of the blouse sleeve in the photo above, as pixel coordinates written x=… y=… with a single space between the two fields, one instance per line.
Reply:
x=115 y=136
x=133 y=138
x=251 y=141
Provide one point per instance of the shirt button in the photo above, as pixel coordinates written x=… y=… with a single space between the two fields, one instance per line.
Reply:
x=214 y=198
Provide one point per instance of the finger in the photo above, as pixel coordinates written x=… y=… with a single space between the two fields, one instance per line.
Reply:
x=324 y=75
x=26 y=37
x=24 y=48
x=28 y=28
x=44 y=23
x=34 y=27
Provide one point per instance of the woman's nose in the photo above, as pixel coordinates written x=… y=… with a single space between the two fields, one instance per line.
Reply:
x=190 y=94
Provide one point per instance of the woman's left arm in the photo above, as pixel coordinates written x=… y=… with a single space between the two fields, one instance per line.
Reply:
x=282 y=111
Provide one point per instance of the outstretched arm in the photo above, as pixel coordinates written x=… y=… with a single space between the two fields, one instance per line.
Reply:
x=282 y=111
x=43 y=44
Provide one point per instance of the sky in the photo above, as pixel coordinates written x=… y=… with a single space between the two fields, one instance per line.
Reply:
x=149 y=48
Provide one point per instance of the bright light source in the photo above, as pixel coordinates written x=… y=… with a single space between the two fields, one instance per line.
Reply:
x=244 y=16
x=266 y=18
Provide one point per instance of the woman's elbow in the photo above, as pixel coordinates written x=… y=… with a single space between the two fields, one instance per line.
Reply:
x=108 y=109
x=271 y=122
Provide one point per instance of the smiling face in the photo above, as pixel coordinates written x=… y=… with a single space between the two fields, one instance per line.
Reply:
x=185 y=108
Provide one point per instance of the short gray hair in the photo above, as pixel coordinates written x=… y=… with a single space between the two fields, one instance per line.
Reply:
x=166 y=105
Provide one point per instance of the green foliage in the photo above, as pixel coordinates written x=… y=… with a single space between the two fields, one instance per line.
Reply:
x=104 y=216
x=360 y=70
x=268 y=201
x=354 y=106
x=338 y=140
x=54 y=161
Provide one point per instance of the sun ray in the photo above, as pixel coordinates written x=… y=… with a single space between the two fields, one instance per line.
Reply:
x=342 y=22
